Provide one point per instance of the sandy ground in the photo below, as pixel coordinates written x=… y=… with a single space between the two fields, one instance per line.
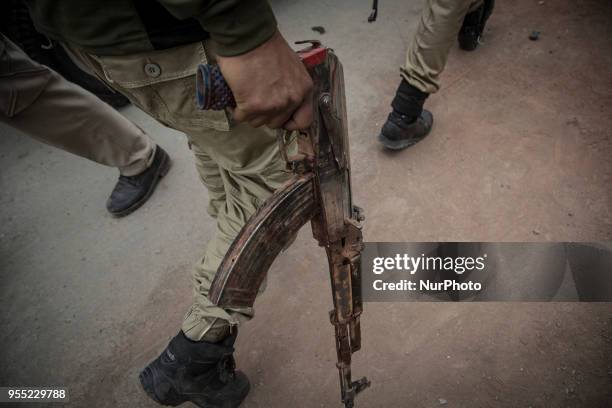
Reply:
x=520 y=151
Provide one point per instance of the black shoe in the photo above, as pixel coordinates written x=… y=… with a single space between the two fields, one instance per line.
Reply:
x=132 y=192
x=474 y=25
x=196 y=371
x=396 y=134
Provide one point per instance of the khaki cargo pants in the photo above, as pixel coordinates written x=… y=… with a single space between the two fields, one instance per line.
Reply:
x=240 y=165
x=437 y=32
x=38 y=101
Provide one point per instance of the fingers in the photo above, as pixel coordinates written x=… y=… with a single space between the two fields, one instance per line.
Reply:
x=271 y=118
x=271 y=86
x=300 y=119
x=303 y=116
x=254 y=118
x=297 y=115
x=279 y=120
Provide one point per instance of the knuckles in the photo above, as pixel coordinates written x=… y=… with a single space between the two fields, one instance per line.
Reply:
x=276 y=105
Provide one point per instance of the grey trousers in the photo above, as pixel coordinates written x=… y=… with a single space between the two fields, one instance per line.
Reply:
x=41 y=103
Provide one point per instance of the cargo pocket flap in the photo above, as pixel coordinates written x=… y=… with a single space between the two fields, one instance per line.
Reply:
x=137 y=70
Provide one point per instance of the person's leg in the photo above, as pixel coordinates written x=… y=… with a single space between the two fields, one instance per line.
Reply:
x=42 y=104
x=426 y=58
x=428 y=52
x=241 y=167
x=474 y=24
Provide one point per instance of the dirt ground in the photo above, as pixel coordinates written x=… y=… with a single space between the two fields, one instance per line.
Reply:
x=520 y=151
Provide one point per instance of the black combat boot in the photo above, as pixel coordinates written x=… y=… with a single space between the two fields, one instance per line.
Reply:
x=196 y=371
x=131 y=192
x=474 y=25
x=408 y=123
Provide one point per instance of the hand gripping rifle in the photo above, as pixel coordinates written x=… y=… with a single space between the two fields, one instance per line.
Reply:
x=319 y=191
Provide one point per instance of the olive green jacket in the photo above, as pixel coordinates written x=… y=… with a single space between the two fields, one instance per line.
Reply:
x=123 y=27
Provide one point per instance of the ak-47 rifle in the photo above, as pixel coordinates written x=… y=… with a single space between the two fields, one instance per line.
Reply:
x=320 y=192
